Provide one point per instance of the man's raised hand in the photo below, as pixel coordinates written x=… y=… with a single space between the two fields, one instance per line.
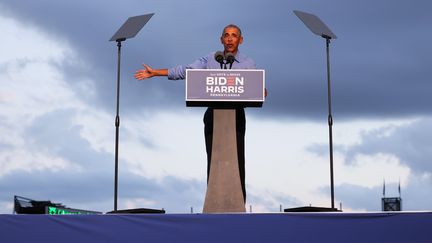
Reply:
x=147 y=72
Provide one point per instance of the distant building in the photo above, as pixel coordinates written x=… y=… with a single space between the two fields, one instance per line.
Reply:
x=391 y=203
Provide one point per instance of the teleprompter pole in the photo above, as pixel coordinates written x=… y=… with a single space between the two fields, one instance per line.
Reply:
x=316 y=26
x=128 y=30
x=330 y=119
x=117 y=123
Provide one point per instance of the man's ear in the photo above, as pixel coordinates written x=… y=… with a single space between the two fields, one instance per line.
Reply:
x=241 y=40
x=221 y=39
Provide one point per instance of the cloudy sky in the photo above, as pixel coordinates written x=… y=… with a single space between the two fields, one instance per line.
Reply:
x=57 y=103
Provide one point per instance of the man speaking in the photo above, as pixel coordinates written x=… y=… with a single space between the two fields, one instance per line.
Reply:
x=231 y=39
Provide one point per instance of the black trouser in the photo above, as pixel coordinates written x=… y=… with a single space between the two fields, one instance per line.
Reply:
x=240 y=133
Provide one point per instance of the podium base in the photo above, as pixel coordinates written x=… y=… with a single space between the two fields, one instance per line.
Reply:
x=224 y=191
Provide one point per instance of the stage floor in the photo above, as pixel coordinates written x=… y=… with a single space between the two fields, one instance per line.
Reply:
x=394 y=227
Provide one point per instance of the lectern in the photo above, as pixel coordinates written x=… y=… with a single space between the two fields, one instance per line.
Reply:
x=224 y=90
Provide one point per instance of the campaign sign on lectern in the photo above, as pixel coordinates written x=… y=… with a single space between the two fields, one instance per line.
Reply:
x=225 y=88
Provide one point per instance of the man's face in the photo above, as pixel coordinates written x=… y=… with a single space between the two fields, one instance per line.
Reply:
x=231 y=40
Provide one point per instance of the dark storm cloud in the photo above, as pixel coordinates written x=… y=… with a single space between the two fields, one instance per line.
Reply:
x=87 y=27
x=54 y=132
x=379 y=62
x=410 y=143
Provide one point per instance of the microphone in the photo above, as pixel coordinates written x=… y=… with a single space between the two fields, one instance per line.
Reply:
x=229 y=57
x=219 y=57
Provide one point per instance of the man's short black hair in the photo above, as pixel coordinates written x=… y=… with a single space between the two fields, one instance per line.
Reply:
x=231 y=26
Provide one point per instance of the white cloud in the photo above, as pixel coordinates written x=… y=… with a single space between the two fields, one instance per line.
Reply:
x=31 y=84
x=370 y=170
x=7 y=207
x=178 y=145
x=279 y=158
x=26 y=160
x=28 y=43
x=97 y=128
x=31 y=87
x=139 y=203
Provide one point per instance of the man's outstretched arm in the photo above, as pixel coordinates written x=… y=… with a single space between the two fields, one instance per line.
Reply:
x=148 y=72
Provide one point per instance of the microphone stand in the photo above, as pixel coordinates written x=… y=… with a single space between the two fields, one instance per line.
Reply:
x=225 y=65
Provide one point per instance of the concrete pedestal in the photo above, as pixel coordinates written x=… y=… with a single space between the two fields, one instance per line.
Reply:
x=224 y=192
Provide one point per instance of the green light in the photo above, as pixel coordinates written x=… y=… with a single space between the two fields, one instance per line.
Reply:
x=52 y=210
x=66 y=211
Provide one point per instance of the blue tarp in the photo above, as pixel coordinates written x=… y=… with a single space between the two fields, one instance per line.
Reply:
x=415 y=227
